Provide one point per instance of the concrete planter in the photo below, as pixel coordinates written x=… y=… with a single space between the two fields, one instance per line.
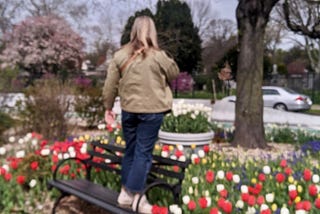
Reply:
x=186 y=139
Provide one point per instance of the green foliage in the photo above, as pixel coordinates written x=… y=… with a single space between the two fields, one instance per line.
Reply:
x=176 y=32
x=6 y=122
x=89 y=105
x=178 y=35
x=45 y=107
x=9 y=81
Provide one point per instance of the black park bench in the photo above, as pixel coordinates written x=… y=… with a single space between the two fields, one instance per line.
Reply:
x=108 y=157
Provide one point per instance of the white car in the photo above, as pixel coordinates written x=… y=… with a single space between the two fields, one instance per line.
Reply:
x=281 y=98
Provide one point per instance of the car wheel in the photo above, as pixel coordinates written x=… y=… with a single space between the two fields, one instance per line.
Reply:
x=281 y=107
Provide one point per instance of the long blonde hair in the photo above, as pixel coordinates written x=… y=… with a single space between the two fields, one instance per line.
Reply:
x=143 y=34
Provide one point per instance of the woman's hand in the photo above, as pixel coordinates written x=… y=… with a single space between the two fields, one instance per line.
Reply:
x=109 y=116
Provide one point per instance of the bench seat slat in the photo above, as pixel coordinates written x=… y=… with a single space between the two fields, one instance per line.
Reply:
x=167 y=173
x=104 y=166
x=172 y=162
x=111 y=157
x=91 y=192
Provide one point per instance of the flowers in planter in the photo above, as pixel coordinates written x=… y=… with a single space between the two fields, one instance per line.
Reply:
x=187 y=118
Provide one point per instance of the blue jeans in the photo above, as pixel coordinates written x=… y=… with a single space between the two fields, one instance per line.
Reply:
x=140 y=132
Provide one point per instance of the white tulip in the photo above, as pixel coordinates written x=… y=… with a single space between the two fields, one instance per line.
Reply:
x=284 y=210
x=34 y=142
x=209 y=201
x=45 y=152
x=175 y=209
x=270 y=197
x=315 y=178
x=244 y=189
x=2 y=150
x=236 y=178
x=32 y=183
x=251 y=210
x=6 y=167
x=182 y=158
x=12 y=139
x=292 y=187
x=240 y=204
x=21 y=141
x=72 y=154
x=186 y=199
x=20 y=154
x=66 y=156
x=201 y=153
x=220 y=174
x=263 y=207
x=164 y=154
x=195 y=180
x=266 y=170
x=220 y=187
x=190 y=190
x=60 y=156
x=301 y=212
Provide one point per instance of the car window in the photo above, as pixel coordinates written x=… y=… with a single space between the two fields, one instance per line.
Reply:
x=289 y=90
x=270 y=92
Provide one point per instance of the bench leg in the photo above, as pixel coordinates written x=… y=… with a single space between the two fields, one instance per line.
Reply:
x=57 y=202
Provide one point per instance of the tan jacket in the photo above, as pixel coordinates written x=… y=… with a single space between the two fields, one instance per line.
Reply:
x=143 y=84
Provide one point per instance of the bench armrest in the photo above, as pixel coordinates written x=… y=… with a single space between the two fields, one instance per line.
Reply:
x=61 y=162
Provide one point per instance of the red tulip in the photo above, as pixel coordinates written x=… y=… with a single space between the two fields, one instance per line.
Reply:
x=313 y=190
x=317 y=203
x=261 y=177
x=209 y=176
x=21 y=179
x=223 y=193
x=229 y=176
x=293 y=194
x=214 y=210
x=260 y=200
x=283 y=163
x=251 y=200
x=192 y=205
x=307 y=174
x=34 y=165
x=203 y=202
x=280 y=177
x=227 y=207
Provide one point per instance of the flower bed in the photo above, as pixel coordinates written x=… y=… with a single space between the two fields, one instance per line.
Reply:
x=215 y=182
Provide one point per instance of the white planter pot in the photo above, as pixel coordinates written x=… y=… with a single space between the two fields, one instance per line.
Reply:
x=186 y=139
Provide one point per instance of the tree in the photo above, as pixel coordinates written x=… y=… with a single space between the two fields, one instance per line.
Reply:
x=252 y=18
x=178 y=35
x=295 y=13
x=44 y=44
x=8 y=12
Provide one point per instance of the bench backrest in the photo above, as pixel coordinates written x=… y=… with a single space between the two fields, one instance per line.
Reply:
x=109 y=156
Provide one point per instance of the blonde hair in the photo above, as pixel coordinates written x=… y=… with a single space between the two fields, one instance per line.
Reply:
x=143 y=34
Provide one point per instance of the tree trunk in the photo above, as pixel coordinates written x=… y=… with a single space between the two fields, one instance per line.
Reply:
x=252 y=18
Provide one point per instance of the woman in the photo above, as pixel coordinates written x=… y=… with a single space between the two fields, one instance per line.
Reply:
x=139 y=72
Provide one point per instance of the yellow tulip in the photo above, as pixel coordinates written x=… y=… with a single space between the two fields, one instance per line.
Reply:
x=297 y=199
x=157 y=147
x=299 y=188
x=274 y=207
x=204 y=161
x=87 y=137
x=254 y=180
x=290 y=179
x=171 y=148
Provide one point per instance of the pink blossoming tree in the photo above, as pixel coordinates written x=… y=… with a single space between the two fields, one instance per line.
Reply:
x=43 y=44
